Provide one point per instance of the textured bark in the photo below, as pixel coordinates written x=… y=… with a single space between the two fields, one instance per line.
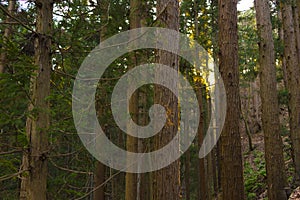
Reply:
x=275 y=167
x=298 y=6
x=166 y=182
x=297 y=28
x=230 y=141
x=132 y=142
x=202 y=186
x=7 y=34
x=293 y=80
x=34 y=180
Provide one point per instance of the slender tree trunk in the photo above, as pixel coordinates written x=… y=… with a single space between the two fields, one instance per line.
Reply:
x=187 y=164
x=202 y=186
x=99 y=178
x=133 y=180
x=7 y=34
x=187 y=174
x=293 y=78
x=99 y=174
x=230 y=141
x=34 y=180
x=215 y=151
x=276 y=178
x=281 y=36
x=166 y=182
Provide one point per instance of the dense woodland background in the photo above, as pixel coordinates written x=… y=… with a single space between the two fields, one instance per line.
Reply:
x=43 y=44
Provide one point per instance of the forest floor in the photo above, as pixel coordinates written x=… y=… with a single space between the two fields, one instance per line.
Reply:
x=257 y=156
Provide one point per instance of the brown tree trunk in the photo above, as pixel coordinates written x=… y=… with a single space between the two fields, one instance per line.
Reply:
x=187 y=174
x=230 y=141
x=202 y=186
x=34 y=180
x=275 y=167
x=99 y=178
x=7 y=34
x=132 y=142
x=297 y=28
x=166 y=182
x=202 y=181
x=293 y=78
x=99 y=174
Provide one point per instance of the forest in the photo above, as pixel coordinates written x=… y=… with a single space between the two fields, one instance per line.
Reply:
x=149 y=100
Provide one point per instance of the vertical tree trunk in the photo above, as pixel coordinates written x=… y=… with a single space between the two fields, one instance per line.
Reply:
x=275 y=167
x=202 y=186
x=202 y=181
x=132 y=142
x=187 y=175
x=166 y=182
x=230 y=141
x=7 y=33
x=215 y=151
x=298 y=6
x=293 y=78
x=99 y=178
x=187 y=164
x=297 y=28
x=99 y=174
x=34 y=180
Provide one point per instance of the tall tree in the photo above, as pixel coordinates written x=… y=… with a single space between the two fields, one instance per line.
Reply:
x=99 y=175
x=293 y=79
x=166 y=182
x=270 y=109
x=7 y=33
x=132 y=142
x=202 y=185
x=34 y=180
x=232 y=183
x=296 y=27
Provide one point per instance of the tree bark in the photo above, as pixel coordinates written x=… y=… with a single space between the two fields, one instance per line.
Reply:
x=202 y=186
x=297 y=28
x=166 y=182
x=230 y=141
x=293 y=78
x=100 y=168
x=34 y=180
x=99 y=178
x=275 y=167
x=7 y=34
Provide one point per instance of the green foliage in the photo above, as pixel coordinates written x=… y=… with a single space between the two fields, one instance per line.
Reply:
x=255 y=176
x=283 y=97
x=248 y=47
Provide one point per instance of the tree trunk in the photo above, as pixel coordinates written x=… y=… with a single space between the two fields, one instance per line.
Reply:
x=132 y=142
x=187 y=164
x=7 y=34
x=100 y=168
x=293 y=78
x=187 y=174
x=275 y=167
x=34 y=180
x=99 y=178
x=202 y=186
x=230 y=141
x=166 y=182
x=297 y=28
